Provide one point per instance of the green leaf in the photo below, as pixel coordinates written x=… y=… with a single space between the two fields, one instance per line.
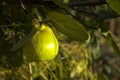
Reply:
x=61 y=5
x=111 y=42
x=68 y=26
x=65 y=1
x=115 y=5
x=38 y=13
x=101 y=77
x=23 y=41
x=95 y=45
x=103 y=26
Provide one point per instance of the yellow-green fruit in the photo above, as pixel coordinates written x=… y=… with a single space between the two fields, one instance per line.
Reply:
x=42 y=46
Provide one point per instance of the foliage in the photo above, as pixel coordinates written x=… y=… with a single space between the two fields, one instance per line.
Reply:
x=80 y=30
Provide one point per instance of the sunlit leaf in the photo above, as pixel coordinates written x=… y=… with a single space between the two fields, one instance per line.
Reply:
x=115 y=5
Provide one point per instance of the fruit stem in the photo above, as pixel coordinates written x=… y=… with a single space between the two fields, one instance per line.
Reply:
x=30 y=70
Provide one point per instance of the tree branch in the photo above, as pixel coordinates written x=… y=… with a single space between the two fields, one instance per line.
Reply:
x=87 y=3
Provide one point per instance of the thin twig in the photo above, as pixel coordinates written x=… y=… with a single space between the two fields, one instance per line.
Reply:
x=25 y=10
x=11 y=25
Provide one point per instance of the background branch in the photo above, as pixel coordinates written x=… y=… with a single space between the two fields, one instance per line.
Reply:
x=87 y=3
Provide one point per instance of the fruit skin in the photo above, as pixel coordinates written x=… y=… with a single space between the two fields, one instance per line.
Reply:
x=42 y=46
